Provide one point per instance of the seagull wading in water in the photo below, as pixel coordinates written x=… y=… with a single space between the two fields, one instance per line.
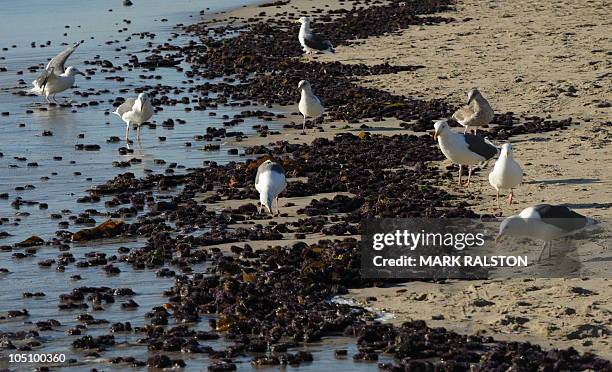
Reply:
x=506 y=174
x=311 y=42
x=544 y=222
x=463 y=149
x=476 y=113
x=270 y=181
x=135 y=111
x=56 y=78
x=310 y=105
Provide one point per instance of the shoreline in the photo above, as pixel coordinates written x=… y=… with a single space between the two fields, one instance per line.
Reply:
x=264 y=284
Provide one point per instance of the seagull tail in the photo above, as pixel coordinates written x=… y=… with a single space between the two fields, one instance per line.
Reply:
x=486 y=139
x=591 y=221
x=36 y=89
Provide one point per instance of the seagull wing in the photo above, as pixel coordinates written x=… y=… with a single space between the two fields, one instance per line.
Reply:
x=125 y=107
x=58 y=62
x=314 y=41
x=277 y=168
x=480 y=146
x=464 y=114
x=44 y=78
x=561 y=217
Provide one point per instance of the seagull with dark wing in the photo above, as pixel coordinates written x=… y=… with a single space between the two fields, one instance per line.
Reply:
x=544 y=222
x=311 y=42
x=56 y=78
x=135 y=111
x=463 y=149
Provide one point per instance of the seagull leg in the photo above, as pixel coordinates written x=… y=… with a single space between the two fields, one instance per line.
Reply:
x=47 y=98
x=465 y=129
x=510 y=198
x=542 y=251
x=550 y=249
x=460 y=173
x=138 y=133
x=127 y=131
x=304 y=125
x=469 y=175
x=497 y=198
x=277 y=208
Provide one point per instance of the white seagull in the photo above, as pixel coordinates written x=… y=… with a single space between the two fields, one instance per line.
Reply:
x=135 y=111
x=507 y=173
x=311 y=42
x=463 y=149
x=310 y=105
x=544 y=222
x=270 y=181
x=476 y=113
x=56 y=78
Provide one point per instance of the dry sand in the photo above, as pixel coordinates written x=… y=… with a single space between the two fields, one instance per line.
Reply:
x=532 y=58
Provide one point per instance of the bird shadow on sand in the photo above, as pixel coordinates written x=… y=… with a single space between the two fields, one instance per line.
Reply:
x=589 y=205
x=566 y=181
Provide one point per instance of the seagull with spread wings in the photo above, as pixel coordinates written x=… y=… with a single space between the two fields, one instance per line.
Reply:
x=56 y=78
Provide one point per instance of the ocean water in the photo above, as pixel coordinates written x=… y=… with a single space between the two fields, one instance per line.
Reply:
x=21 y=142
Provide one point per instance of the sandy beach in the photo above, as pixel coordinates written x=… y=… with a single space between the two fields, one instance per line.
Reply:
x=155 y=255
x=549 y=59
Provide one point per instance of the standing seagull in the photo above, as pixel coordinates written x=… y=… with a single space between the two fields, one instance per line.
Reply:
x=270 y=181
x=544 y=222
x=311 y=42
x=463 y=149
x=56 y=78
x=135 y=111
x=507 y=173
x=310 y=105
x=476 y=113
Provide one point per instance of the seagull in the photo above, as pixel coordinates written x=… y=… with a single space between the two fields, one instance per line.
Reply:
x=310 y=105
x=506 y=173
x=463 y=149
x=270 y=181
x=544 y=222
x=135 y=111
x=476 y=113
x=311 y=42
x=56 y=78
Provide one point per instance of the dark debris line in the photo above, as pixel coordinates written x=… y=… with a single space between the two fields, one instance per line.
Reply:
x=278 y=299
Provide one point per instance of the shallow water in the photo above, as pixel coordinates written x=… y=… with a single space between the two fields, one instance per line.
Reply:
x=26 y=22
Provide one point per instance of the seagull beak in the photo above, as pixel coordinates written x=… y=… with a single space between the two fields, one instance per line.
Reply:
x=506 y=155
x=435 y=135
